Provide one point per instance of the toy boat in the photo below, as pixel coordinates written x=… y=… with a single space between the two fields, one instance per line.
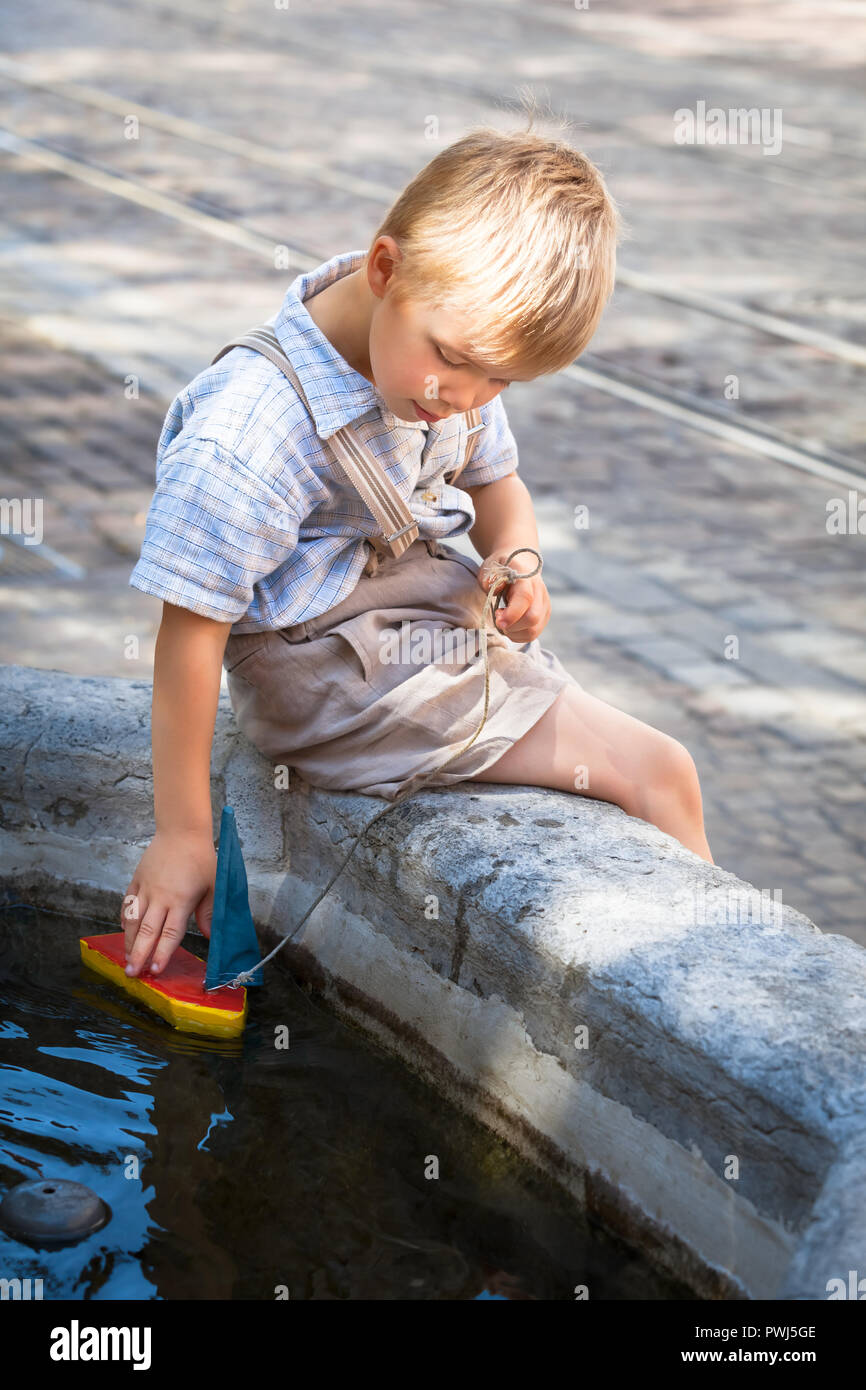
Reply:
x=187 y=996
x=177 y=995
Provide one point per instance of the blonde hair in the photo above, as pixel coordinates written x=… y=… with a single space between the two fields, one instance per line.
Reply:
x=516 y=232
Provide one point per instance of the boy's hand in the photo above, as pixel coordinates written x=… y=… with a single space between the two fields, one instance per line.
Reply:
x=175 y=877
x=527 y=609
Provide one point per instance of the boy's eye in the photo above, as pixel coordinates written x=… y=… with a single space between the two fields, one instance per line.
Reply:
x=444 y=358
x=498 y=380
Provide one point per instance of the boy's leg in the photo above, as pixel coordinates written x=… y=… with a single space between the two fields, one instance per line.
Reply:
x=582 y=744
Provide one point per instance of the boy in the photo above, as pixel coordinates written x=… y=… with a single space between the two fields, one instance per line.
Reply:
x=493 y=266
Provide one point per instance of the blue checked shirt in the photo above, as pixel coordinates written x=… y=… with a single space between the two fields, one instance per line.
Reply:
x=253 y=521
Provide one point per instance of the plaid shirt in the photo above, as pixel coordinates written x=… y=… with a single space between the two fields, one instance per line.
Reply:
x=253 y=521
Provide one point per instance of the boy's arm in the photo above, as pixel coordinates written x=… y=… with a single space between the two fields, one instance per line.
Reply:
x=186 y=684
x=504 y=518
x=176 y=873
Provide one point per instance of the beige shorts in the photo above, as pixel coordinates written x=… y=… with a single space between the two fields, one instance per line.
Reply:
x=387 y=684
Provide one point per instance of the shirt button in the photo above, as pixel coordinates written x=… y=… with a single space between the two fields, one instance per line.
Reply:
x=429 y=496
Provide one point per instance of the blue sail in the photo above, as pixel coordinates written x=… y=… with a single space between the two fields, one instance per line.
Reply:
x=233 y=943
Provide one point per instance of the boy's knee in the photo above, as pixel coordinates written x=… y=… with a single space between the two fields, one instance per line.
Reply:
x=673 y=768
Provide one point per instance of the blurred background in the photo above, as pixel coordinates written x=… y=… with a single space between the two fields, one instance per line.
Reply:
x=168 y=169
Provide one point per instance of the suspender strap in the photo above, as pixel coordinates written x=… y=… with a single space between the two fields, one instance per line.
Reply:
x=475 y=425
x=399 y=527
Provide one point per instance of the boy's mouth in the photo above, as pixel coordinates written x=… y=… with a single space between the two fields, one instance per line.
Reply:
x=425 y=414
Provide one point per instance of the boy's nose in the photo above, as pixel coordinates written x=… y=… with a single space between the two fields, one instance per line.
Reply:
x=461 y=403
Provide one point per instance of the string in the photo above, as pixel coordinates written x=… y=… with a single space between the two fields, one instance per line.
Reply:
x=501 y=576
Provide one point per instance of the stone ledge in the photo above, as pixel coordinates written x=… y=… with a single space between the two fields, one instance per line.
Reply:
x=704 y=1039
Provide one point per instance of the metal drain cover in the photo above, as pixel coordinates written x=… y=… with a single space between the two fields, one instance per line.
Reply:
x=52 y=1209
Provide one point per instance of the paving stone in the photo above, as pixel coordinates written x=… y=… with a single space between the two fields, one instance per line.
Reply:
x=762 y=612
x=835 y=885
x=854 y=794
x=846 y=662
x=704 y=627
x=626 y=589
x=850 y=912
x=701 y=676
x=613 y=626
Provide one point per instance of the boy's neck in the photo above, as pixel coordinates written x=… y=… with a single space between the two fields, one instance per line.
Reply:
x=342 y=312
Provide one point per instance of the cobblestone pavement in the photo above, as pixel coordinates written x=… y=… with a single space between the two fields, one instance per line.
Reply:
x=706 y=595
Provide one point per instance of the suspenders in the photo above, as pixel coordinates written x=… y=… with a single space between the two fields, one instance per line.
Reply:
x=399 y=528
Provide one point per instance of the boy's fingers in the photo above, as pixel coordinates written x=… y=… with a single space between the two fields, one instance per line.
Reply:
x=505 y=594
x=525 y=606
x=204 y=913
x=146 y=939
x=129 y=904
x=173 y=932
x=527 y=626
x=133 y=909
x=515 y=609
x=485 y=572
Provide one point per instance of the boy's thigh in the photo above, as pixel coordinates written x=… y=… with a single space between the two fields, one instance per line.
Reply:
x=582 y=744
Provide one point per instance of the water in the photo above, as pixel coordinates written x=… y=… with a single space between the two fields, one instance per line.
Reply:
x=235 y=1170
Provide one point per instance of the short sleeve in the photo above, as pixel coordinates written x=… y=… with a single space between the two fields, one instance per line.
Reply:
x=495 y=452
x=213 y=530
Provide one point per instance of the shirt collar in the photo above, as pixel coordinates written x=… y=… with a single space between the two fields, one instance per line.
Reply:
x=336 y=393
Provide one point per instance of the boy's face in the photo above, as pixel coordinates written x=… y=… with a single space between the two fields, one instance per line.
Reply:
x=409 y=345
